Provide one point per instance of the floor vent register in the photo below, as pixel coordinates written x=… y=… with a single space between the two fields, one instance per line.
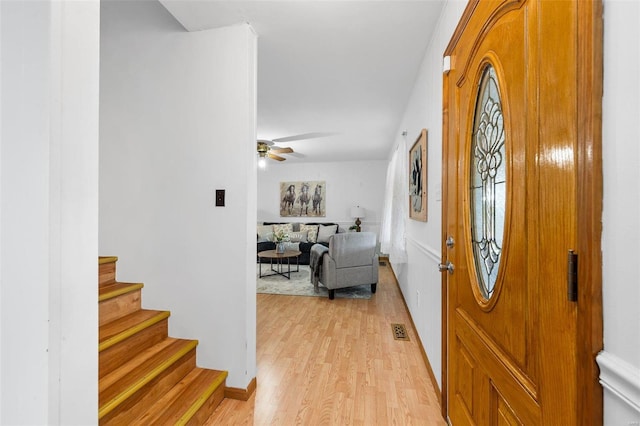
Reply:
x=400 y=332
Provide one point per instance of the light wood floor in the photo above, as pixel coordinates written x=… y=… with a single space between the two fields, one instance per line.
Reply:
x=335 y=362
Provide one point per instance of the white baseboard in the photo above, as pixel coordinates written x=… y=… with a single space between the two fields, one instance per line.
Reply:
x=620 y=378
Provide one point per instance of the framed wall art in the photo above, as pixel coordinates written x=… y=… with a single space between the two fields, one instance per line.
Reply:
x=418 y=178
x=303 y=199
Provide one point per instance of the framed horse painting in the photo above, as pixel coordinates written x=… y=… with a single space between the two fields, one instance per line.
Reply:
x=418 y=178
x=302 y=199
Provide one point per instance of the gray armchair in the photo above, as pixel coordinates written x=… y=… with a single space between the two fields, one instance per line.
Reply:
x=350 y=261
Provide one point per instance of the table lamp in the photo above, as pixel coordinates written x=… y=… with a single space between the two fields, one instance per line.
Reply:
x=357 y=212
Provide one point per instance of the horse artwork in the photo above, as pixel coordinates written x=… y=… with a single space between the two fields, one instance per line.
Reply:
x=296 y=198
x=418 y=178
x=304 y=199
x=317 y=199
x=288 y=200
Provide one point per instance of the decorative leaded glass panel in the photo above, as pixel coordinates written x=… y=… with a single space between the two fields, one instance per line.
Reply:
x=488 y=182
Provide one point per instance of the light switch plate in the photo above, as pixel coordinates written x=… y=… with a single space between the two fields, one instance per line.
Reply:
x=219 y=197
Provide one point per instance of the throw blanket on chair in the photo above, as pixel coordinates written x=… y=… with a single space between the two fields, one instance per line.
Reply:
x=315 y=261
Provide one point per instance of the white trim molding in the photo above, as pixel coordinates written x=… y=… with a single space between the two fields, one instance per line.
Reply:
x=431 y=253
x=620 y=378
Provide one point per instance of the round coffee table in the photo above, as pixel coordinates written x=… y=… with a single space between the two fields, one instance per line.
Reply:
x=277 y=261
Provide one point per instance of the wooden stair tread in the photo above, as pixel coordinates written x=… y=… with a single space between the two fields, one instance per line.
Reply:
x=116 y=288
x=126 y=380
x=146 y=377
x=183 y=400
x=122 y=328
x=130 y=365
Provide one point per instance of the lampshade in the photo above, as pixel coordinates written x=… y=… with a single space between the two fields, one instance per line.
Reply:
x=357 y=212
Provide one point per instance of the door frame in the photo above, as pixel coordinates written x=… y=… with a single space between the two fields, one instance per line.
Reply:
x=589 y=206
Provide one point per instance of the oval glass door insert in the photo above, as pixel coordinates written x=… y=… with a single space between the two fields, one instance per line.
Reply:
x=488 y=182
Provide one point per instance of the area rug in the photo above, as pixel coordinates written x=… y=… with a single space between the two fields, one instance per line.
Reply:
x=300 y=285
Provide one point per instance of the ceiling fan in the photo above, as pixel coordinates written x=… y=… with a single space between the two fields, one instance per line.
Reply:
x=267 y=149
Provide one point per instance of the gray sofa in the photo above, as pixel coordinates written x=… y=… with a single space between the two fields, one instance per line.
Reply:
x=350 y=261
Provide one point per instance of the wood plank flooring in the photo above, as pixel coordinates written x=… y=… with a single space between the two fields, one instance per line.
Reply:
x=335 y=362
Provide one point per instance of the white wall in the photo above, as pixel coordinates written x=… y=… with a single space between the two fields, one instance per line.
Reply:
x=620 y=361
x=348 y=184
x=48 y=212
x=419 y=278
x=177 y=118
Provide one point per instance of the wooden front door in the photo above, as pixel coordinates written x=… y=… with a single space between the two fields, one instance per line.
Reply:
x=521 y=192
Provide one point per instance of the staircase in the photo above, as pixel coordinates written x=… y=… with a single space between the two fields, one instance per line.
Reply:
x=145 y=376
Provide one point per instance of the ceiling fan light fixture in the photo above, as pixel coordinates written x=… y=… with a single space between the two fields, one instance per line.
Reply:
x=262 y=162
x=263 y=148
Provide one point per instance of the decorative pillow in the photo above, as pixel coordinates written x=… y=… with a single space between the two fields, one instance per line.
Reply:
x=265 y=233
x=312 y=230
x=292 y=246
x=298 y=237
x=285 y=228
x=325 y=232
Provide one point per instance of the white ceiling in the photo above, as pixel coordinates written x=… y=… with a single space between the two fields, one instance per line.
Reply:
x=340 y=67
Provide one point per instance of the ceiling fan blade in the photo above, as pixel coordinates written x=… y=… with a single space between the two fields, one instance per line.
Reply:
x=286 y=150
x=312 y=135
x=276 y=157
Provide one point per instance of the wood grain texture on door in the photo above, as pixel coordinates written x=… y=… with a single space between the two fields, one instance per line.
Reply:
x=518 y=351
